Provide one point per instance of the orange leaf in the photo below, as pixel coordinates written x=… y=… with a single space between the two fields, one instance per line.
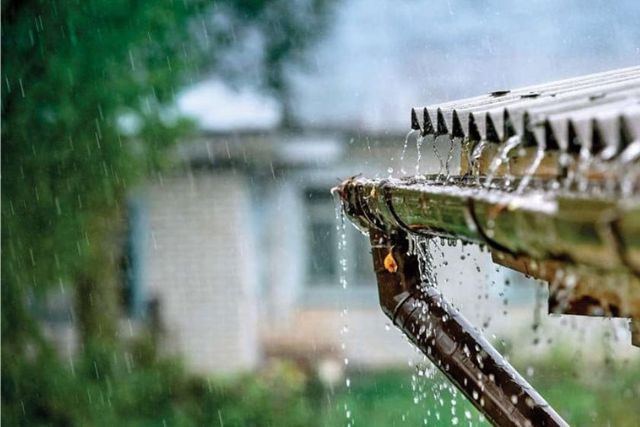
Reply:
x=390 y=263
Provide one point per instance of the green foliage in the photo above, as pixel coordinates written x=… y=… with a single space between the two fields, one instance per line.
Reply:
x=69 y=71
x=583 y=395
x=140 y=391
x=588 y=395
x=386 y=398
x=143 y=394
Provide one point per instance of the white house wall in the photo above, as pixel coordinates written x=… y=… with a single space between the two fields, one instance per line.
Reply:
x=201 y=267
x=284 y=252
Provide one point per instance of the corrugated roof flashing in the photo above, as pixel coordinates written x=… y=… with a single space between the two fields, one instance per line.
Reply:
x=600 y=110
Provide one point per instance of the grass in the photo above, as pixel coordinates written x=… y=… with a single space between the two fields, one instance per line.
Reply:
x=393 y=398
x=608 y=396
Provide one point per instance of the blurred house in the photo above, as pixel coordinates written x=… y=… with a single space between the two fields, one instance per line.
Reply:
x=239 y=253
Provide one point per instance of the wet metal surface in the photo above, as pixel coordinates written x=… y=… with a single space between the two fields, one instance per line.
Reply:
x=451 y=343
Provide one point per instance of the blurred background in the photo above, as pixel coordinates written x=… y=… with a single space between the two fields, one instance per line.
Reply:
x=170 y=246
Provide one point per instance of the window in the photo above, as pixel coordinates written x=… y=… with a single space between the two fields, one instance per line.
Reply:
x=323 y=251
x=133 y=258
x=323 y=257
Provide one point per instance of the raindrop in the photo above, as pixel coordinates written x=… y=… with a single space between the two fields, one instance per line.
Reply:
x=419 y=156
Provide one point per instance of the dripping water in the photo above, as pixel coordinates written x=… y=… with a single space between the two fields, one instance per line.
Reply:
x=447 y=170
x=436 y=152
x=475 y=160
x=404 y=150
x=531 y=170
x=341 y=228
x=585 y=161
x=629 y=170
x=567 y=164
x=419 y=142
x=421 y=248
x=501 y=157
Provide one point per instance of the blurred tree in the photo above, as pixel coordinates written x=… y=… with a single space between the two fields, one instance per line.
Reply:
x=71 y=72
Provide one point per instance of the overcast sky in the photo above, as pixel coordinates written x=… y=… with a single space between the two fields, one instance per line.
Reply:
x=381 y=57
